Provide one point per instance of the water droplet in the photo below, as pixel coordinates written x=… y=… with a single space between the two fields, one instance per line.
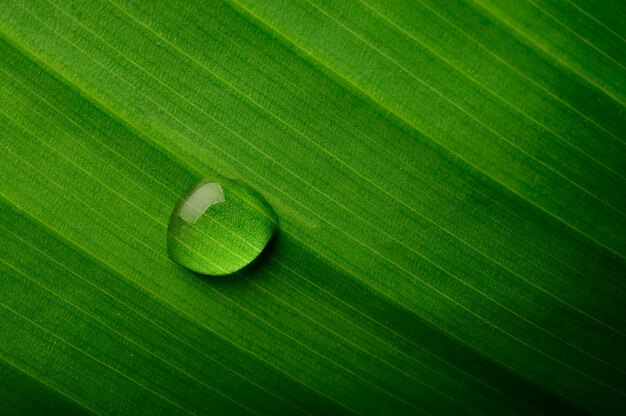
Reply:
x=219 y=227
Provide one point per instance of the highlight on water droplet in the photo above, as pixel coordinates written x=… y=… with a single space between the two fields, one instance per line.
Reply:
x=219 y=227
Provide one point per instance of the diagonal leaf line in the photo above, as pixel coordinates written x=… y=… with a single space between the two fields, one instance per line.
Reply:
x=156 y=296
x=312 y=249
x=156 y=79
x=271 y=294
x=561 y=138
x=163 y=256
x=405 y=121
x=79 y=143
x=309 y=318
x=100 y=289
x=338 y=335
x=91 y=379
x=166 y=136
x=122 y=336
x=441 y=293
x=234 y=233
x=147 y=214
x=237 y=235
x=72 y=399
x=241 y=307
x=295 y=309
x=497 y=263
x=547 y=52
x=491 y=92
x=429 y=184
x=98 y=213
x=409 y=166
x=401 y=371
x=85 y=353
x=364 y=134
x=397 y=265
x=199 y=64
x=573 y=32
x=405 y=270
x=295 y=273
x=393 y=263
x=509 y=310
x=274 y=296
x=365 y=178
x=589 y=15
x=141 y=68
x=513 y=69
x=229 y=299
x=309 y=281
x=381 y=325
x=449 y=100
x=158 y=254
x=174 y=193
x=444 y=330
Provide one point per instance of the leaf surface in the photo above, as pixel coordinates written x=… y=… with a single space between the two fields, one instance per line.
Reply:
x=449 y=179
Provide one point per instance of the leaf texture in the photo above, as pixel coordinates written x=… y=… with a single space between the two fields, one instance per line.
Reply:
x=449 y=178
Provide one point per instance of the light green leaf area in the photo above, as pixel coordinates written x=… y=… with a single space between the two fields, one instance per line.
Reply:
x=449 y=179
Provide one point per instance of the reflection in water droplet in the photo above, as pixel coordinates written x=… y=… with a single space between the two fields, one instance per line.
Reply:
x=219 y=227
x=200 y=200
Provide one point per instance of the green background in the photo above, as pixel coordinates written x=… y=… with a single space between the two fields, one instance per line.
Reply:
x=449 y=178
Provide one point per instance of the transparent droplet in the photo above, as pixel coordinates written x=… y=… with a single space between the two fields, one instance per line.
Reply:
x=219 y=227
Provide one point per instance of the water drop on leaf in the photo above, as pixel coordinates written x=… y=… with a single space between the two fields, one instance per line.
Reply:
x=219 y=227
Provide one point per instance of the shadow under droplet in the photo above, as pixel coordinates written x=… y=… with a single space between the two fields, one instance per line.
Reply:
x=251 y=271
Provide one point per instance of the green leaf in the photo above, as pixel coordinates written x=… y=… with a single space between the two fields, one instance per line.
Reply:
x=449 y=179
